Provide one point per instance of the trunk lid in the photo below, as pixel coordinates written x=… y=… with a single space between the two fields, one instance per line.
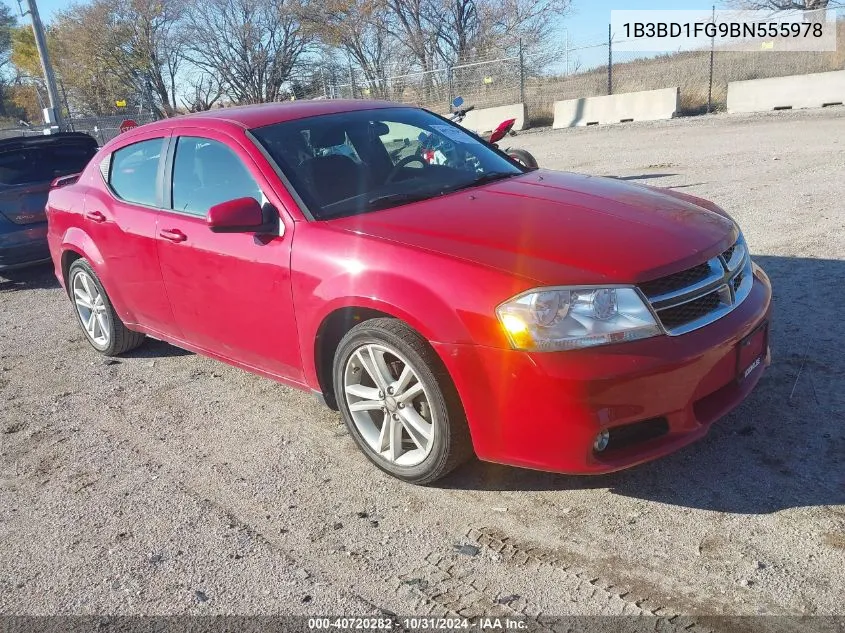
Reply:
x=29 y=164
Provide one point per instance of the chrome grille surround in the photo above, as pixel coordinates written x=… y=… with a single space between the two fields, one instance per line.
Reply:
x=726 y=284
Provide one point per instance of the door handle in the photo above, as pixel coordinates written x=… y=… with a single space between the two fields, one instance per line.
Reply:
x=174 y=235
x=95 y=216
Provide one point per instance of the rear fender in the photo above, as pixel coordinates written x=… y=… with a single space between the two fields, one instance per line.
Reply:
x=77 y=241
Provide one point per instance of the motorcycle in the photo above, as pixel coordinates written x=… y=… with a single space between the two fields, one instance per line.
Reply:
x=505 y=128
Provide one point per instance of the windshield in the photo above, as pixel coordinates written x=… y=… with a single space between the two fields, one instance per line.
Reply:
x=355 y=162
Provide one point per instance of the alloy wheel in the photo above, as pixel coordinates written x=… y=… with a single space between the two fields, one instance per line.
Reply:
x=91 y=308
x=389 y=405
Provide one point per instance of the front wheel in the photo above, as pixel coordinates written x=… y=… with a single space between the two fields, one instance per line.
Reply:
x=523 y=157
x=399 y=403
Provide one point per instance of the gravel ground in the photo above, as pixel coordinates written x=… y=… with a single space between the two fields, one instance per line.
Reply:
x=167 y=483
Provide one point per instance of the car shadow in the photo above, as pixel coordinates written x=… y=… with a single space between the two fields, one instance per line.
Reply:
x=153 y=348
x=38 y=277
x=782 y=448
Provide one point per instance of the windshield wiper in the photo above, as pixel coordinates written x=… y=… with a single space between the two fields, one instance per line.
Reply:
x=394 y=199
x=483 y=179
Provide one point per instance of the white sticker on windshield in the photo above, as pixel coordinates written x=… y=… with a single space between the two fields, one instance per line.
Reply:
x=453 y=134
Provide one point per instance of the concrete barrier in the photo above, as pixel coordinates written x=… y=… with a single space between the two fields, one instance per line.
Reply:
x=783 y=93
x=488 y=119
x=647 y=105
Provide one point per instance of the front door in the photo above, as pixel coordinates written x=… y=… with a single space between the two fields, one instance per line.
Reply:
x=230 y=292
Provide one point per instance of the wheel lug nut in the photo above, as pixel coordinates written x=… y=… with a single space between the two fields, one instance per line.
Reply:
x=380 y=394
x=395 y=417
x=401 y=405
x=390 y=390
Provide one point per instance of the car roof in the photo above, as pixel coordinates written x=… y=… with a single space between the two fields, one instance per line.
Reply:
x=254 y=116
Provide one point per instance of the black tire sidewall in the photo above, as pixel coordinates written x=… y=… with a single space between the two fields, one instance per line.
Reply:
x=81 y=265
x=523 y=157
x=433 y=463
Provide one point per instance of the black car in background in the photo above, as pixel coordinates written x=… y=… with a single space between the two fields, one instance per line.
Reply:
x=27 y=167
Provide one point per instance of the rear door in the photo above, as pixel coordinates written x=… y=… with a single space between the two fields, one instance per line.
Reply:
x=230 y=292
x=121 y=212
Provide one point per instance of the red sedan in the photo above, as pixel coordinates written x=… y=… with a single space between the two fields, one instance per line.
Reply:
x=536 y=318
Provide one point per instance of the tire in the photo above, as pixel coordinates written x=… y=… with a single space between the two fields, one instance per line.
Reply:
x=523 y=157
x=107 y=334
x=436 y=408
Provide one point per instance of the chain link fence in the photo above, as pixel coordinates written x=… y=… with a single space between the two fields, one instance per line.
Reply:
x=102 y=128
x=484 y=83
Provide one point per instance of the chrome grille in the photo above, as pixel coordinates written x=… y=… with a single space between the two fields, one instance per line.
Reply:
x=697 y=296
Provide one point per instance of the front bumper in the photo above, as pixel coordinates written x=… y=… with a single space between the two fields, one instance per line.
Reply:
x=544 y=410
x=22 y=245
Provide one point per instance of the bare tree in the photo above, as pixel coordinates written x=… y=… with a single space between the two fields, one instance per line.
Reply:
x=789 y=5
x=418 y=25
x=204 y=92
x=462 y=32
x=360 y=29
x=813 y=9
x=531 y=22
x=252 y=46
x=469 y=29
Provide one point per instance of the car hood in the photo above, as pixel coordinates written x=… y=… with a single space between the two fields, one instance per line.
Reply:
x=560 y=228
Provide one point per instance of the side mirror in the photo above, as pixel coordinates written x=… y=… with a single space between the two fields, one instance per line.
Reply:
x=380 y=128
x=457 y=102
x=241 y=215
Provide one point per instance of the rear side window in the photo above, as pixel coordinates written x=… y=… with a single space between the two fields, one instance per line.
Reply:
x=43 y=164
x=206 y=173
x=134 y=172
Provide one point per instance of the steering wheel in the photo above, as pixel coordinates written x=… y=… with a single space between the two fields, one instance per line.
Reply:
x=402 y=163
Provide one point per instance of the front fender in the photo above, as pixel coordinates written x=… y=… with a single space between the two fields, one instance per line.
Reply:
x=446 y=299
x=394 y=295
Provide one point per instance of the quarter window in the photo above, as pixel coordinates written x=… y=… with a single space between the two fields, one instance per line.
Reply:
x=134 y=171
x=206 y=173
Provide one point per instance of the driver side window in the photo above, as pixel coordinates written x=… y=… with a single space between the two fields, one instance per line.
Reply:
x=206 y=173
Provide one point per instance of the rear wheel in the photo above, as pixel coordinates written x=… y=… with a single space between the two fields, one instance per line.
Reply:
x=523 y=157
x=399 y=403
x=102 y=326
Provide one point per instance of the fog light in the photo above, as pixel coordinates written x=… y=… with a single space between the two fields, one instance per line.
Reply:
x=602 y=440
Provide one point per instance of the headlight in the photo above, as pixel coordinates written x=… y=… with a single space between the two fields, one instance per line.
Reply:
x=552 y=319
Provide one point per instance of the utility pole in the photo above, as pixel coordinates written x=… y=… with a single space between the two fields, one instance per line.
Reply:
x=53 y=114
x=609 y=59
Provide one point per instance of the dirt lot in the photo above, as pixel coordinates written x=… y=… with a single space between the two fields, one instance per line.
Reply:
x=165 y=483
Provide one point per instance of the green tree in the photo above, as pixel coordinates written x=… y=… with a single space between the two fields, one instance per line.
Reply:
x=7 y=25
